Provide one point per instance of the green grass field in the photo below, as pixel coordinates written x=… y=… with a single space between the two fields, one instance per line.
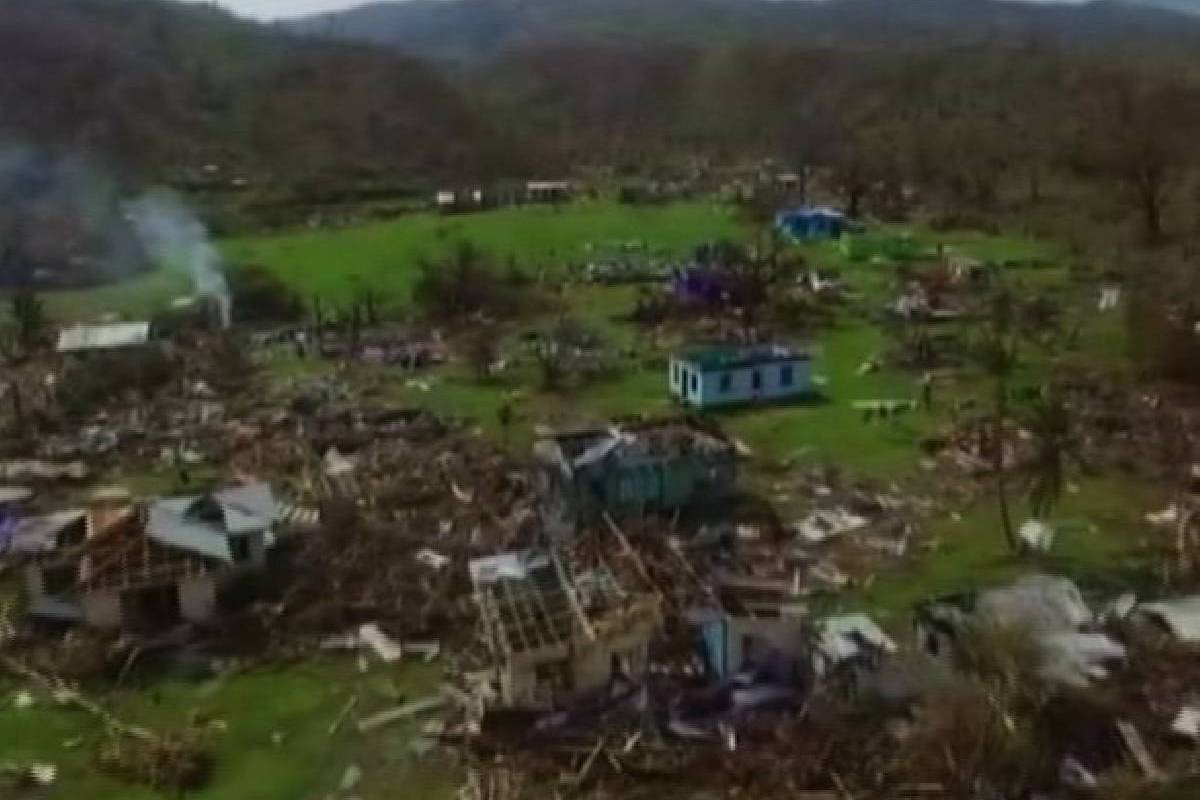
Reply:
x=268 y=730
x=384 y=255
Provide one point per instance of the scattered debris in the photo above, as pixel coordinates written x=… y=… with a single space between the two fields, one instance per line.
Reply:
x=1036 y=536
x=1180 y=617
x=388 y=650
x=1187 y=723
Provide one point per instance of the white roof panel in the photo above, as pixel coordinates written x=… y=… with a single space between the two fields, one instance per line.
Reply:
x=103 y=337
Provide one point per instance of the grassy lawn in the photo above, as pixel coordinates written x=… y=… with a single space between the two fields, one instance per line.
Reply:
x=384 y=255
x=247 y=712
x=1101 y=543
x=137 y=298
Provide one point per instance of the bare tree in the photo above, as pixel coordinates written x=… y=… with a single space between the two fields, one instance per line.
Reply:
x=482 y=348
x=1143 y=135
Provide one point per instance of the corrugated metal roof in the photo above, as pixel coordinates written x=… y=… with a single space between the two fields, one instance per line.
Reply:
x=167 y=523
x=175 y=521
x=103 y=337
x=248 y=508
x=40 y=534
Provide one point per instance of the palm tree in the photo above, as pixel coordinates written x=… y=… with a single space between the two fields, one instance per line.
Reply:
x=996 y=354
x=1055 y=448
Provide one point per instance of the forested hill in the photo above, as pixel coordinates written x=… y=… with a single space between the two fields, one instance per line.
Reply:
x=936 y=91
x=479 y=29
x=168 y=88
x=1182 y=6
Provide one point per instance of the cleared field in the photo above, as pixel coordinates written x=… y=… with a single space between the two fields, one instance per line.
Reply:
x=384 y=256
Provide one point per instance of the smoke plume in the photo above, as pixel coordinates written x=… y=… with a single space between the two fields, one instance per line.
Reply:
x=175 y=237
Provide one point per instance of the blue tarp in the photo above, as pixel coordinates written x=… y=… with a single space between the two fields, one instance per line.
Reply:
x=811 y=223
x=700 y=285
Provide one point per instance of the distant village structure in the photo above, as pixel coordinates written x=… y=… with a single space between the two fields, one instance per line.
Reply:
x=727 y=375
x=548 y=191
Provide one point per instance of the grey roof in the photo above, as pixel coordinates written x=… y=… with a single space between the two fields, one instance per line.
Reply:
x=176 y=521
x=103 y=337
x=1039 y=602
x=34 y=535
x=248 y=508
x=168 y=522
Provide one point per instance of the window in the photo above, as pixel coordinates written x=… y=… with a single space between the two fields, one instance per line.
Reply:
x=757 y=380
x=239 y=548
x=726 y=383
x=695 y=383
x=786 y=377
x=675 y=374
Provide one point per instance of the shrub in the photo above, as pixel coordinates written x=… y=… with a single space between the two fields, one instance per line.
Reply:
x=467 y=284
x=261 y=296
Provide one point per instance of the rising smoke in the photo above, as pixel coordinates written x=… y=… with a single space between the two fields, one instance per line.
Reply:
x=175 y=237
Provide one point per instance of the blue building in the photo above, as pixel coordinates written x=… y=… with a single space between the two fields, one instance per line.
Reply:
x=808 y=223
x=724 y=375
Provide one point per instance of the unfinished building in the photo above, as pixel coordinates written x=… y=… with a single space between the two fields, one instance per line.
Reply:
x=654 y=467
x=554 y=633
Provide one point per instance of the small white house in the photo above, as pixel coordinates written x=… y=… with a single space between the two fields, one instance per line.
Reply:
x=723 y=375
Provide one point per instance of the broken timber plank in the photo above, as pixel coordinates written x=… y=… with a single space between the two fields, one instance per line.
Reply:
x=1138 y=750
x=410 y=709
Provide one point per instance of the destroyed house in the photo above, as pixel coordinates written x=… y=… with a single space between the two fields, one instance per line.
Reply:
x=554 y=632
x=726 y=375
x=650 y=468
x=1072 y=649
x=140 y=566
x=762 y=625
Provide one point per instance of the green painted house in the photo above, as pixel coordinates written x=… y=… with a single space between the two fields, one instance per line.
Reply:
x=656 y=467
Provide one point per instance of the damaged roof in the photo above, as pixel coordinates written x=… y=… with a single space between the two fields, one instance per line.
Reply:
x=1039 y=602
x=202 y=524
x=1053 y=611
x=1181 y=617
x=34 y=535
x=577 y=449
x=103 y=337
x=846 y=637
